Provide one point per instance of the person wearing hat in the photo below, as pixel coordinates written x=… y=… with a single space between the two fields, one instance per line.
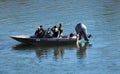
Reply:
x=81 y=30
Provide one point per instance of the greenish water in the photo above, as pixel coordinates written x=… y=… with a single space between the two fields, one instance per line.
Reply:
x=24 y=16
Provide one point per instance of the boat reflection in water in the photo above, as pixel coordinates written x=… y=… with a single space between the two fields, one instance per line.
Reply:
x=57 y=52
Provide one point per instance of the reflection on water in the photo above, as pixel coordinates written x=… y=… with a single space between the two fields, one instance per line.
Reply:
x=43 y=51
x=82 y=49
x=58 y=52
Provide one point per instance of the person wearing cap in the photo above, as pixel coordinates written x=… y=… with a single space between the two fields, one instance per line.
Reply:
x=55 y=31
x=81 y=30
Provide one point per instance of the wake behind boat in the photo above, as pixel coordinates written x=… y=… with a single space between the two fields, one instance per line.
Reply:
x=64 y=40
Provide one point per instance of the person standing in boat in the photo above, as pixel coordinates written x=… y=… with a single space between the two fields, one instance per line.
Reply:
x=40 y=32
x=60 y=29
x=81 y=30
x=55 y=31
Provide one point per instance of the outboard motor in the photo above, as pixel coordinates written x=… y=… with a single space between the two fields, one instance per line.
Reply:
x=80 y=27
x=81 y=30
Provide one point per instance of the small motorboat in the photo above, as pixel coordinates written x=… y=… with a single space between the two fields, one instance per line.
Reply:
x=64 y=40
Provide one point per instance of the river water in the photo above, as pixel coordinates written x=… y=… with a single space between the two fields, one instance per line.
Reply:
x=24 y=16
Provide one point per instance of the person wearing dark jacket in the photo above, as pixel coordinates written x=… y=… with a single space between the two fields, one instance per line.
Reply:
x=60 y=29
x=55 y=31
x=40 y=32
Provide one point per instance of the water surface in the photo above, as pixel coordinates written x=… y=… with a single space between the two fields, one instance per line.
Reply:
x=24 y=16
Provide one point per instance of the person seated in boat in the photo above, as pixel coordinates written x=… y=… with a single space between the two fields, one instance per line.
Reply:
x=40 y=32
x=81 y=30
x=55 y=31
x=48 y=33
x=60 y=29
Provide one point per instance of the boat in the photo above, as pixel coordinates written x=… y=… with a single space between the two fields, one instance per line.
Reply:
x=64 y=40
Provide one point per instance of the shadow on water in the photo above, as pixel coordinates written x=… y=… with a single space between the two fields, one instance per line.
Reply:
x=57 y=51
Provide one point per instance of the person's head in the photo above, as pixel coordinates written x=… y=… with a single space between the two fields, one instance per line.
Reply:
x=60 y=24
x=40 y=27
x=55 y=26
x=79 y=24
